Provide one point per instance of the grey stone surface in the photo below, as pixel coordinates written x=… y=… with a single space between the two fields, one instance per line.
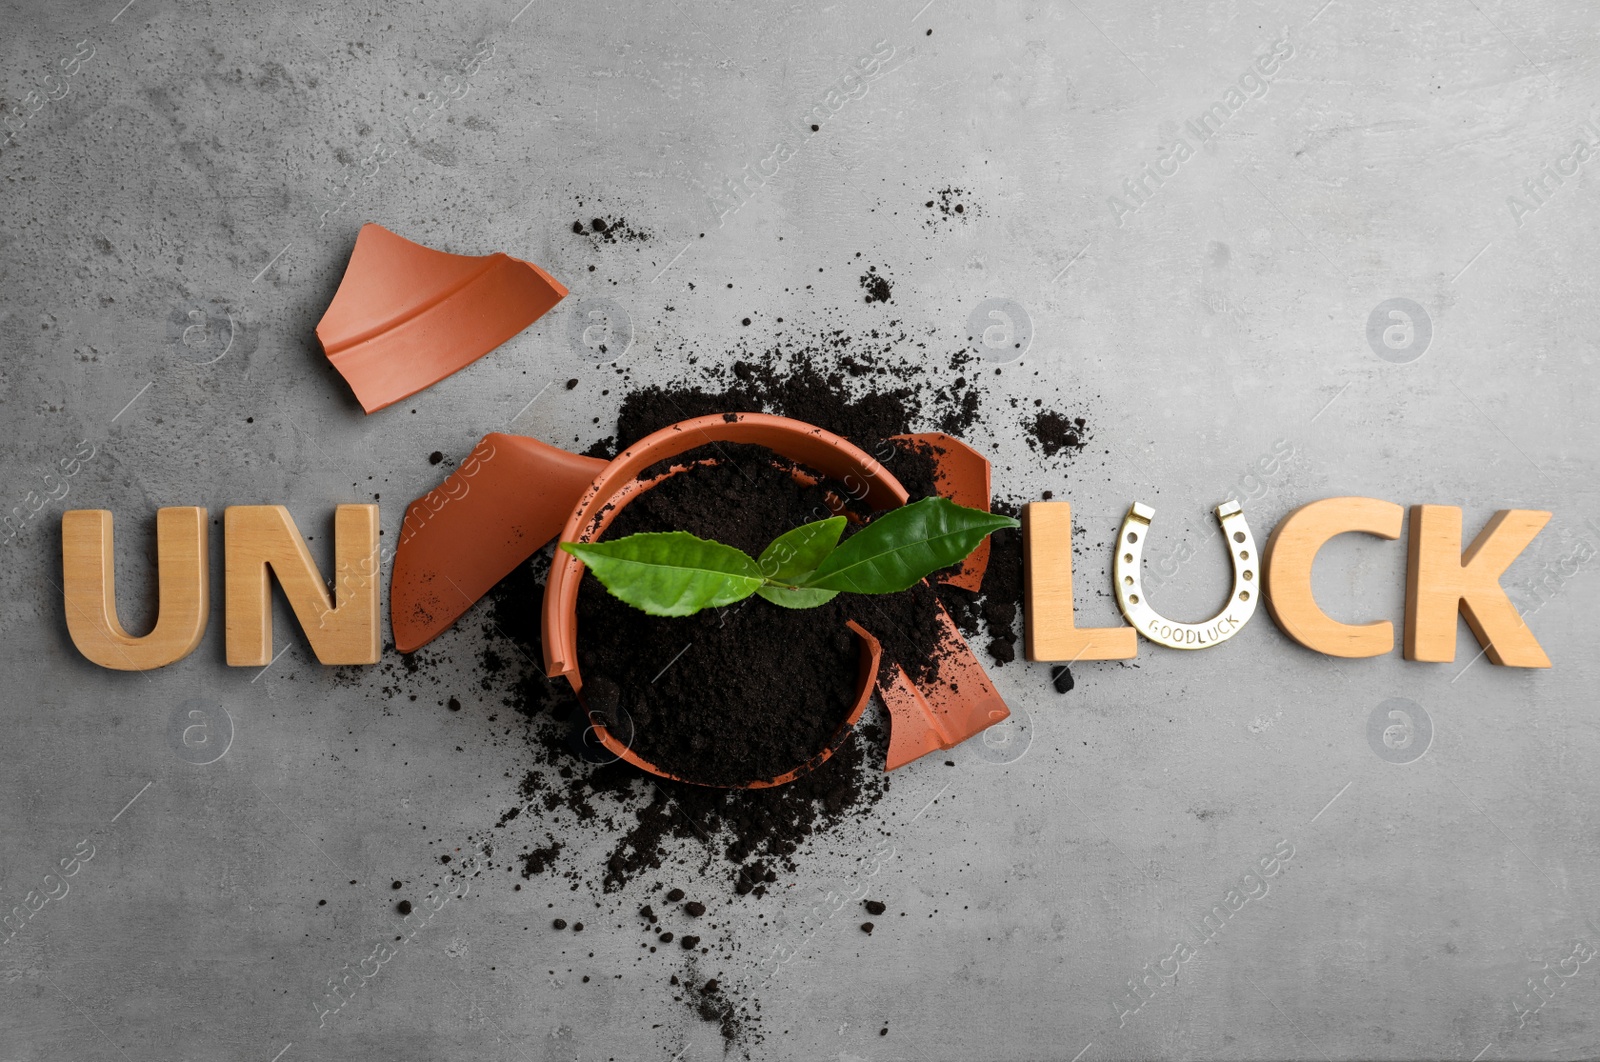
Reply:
x=180 y=195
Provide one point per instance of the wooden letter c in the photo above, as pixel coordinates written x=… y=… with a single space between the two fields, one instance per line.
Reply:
x=1290 y=553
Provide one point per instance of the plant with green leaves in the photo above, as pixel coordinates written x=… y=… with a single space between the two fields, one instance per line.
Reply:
x=674 y=573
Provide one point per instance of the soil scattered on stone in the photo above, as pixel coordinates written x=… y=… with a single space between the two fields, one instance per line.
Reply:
x=611 y=833
x=610 y=230
x=949 y=204
x=1054 y=432
x=538 y=860
x=876 y=285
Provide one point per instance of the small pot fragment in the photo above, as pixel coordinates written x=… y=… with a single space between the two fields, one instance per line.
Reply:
x=406 y=316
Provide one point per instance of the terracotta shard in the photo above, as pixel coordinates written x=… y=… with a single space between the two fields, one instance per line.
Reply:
x=962 y=475
x=942 y=713
x=406 y=316
x=913 y=726
x=507 y=499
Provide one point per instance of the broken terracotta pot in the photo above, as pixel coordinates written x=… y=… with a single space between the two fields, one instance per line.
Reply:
x=478 y=522
x=509 y=497
x=406 y=316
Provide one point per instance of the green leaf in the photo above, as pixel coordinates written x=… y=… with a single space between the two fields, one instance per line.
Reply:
x=795 y=554
x=798 y=552
x=905 y=545
x=796 y=597
x=670 y=573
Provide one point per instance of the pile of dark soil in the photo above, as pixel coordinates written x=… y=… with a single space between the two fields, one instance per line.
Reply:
x=1053 y=432
x=573 y=789
x=729 y=695
x=752 y=691
x=732 y=848
x=876 y=286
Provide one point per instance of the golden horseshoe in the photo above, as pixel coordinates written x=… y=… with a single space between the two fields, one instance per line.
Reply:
x=1241 y=605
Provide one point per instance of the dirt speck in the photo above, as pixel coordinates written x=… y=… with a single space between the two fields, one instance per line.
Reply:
x=876 y=285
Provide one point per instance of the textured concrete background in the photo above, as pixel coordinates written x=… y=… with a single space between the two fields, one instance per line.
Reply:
x=182 y=186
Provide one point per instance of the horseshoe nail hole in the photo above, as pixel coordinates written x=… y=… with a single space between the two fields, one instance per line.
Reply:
x=1244 y=595
x=1132 y=537
x=1127 y=580
x=1127 y=558
x=1238 y=536
x=1244 y=554
x=1249 y=576
x=1133 y=599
